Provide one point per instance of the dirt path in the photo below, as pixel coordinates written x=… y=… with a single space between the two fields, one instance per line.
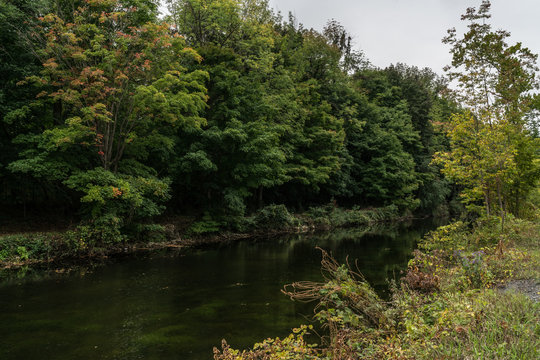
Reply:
x=529 y=287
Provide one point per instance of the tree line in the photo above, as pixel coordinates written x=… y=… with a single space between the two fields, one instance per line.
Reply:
x=222 y=107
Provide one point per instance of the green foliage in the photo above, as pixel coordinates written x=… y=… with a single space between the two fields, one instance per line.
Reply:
x=471 y=324
x=119 y=91
x=448 y=237
x=483 y=255
x=334 y=216
x=292 y=347
x=126 y=197
x=152 y=233
x=236 y=107
x=320 y=215
x=475 y=268
x=86 y=239
x=101 y=233
x=32 y=246
x=346 y=302
x=22 y=252
x=288 y=123
x=207 y=225
x=90 y=238
x=274 y=217
x=490 y=145
x=423 y=92
x=4 y=253
x=443 y=308
x=18 y=111
x=382 y=162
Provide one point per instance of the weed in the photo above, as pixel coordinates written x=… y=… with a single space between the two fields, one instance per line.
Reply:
x=445 y=308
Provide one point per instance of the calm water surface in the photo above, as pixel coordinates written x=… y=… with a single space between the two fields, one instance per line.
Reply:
x=178 y=306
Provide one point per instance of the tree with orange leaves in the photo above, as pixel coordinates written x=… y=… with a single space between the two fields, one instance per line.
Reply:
x=120 y=91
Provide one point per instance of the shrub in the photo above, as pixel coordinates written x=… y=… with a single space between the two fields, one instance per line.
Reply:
x=450 y=237
x=149 y=232
x=474 y=268
x=206 y=225
x=240 y=223
x=344 y=301
x=274 y=217
x=417 y=280
x=445 y=317
x=20 y=247
x=357 y=216
x=111 y=201
x=320 y=215
x=102 y=232
x=292 y=347
x=22 y=252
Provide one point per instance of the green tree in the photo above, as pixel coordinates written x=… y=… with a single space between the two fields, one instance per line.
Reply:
x=237 y=154
x=384 y=171
x=121 y=90
x=271 y=129
x=18 y=111
x=491 y=147
x=426 y=103
x=479 y=159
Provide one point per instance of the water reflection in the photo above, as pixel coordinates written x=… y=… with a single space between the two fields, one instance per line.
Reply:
x=178 y=307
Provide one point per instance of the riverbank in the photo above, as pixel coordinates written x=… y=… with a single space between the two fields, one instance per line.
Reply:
x=169 y=304
x=82 y=244
x=457 y=300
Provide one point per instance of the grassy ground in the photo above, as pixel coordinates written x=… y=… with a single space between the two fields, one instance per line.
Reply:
x=451 y=303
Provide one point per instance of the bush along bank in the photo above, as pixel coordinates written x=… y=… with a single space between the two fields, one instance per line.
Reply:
x=91 y=240
x=277 y=219
x=452 y=303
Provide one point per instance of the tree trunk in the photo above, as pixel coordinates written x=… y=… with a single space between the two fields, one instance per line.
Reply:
x=501 y=205
x=486 y=193
x=516 y=205
x=486 y=200
x=57 y=112
x=260 y=196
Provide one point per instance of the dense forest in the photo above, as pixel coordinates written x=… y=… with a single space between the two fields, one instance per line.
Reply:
x=113 y=113
x=124 y=129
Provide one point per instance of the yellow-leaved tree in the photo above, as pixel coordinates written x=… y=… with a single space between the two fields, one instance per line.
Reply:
x=492 y=153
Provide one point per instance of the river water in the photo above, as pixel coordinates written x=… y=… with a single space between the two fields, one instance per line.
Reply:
x=178 y=305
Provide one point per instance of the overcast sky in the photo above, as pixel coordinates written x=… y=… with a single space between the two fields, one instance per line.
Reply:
x=410 y=31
